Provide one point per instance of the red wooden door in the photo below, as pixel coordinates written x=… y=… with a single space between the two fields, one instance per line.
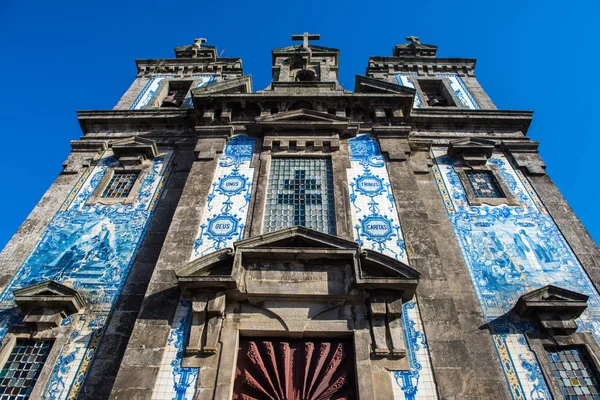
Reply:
x=284 y=369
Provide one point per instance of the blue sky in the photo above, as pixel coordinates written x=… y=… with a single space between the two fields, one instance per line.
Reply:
x=59 y=57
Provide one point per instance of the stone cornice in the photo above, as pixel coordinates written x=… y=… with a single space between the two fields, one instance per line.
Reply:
x=188 y=66
x=470 y=120
x=121 y=120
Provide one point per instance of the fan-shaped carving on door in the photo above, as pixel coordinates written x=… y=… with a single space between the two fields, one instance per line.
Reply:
x=283 y=369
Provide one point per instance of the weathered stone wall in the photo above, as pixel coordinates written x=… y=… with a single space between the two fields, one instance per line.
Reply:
x=144 y=353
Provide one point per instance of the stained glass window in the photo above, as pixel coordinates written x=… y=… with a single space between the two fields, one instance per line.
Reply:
x=484 y=184
x=22 y=369
x=300 y=192
x=120 y=185
x=575 y=372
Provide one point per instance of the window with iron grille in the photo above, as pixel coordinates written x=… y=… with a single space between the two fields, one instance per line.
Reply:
x=120 y=185
x=21 y=371
x=484 y=184
x=576 y=374
x=300 y=192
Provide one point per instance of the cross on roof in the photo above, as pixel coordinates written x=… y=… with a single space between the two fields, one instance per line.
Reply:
x=306 y=37
x=413 y=39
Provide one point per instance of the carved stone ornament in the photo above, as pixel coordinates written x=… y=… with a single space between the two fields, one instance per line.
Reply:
x=292 y=265
x=46 y=304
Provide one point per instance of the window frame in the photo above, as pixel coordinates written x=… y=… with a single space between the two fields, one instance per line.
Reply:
x=59 y=337
x=473 y=200
x=538 y=342
x=306 y=146
x=445 y=82
x=96 y=196
x=288 y=155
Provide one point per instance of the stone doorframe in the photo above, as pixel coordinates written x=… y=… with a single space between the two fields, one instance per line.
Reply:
x=296 y=283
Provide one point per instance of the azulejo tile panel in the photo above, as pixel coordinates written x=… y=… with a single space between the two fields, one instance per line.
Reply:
x=155 y=83
x=226 y=210
x=148 y=92
x=456 y=84
x=175 y=382
x=90 y=248
x=377 y=227
x=374 y=214
x=509 y=251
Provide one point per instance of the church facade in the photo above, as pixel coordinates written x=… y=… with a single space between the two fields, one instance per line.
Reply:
x=209 y=241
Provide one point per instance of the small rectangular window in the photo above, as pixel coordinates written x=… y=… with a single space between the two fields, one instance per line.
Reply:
x=300 y=192
x=484 y=184
x=23 y=367
x=575 y=372
x=120 y=185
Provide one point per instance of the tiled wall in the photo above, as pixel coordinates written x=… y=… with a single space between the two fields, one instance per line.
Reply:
x=512 y=250
x=91 y=249
x=376 y=226
x=155 y=83
x=458 y=86
x=174 y=381
x=225 y=213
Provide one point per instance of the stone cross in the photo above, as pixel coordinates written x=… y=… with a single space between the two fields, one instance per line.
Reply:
x=306 y=37
x=299 y=198
x=199 y=42
x=413 y=39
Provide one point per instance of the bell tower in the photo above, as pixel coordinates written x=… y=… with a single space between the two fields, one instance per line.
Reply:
x=305 y=67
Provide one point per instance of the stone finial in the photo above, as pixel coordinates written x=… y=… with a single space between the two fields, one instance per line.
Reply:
x=413 y=39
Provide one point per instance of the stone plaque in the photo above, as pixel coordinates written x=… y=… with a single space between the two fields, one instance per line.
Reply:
x=296 y=280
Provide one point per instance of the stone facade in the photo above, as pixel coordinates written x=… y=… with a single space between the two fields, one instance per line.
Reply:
x=420 y=252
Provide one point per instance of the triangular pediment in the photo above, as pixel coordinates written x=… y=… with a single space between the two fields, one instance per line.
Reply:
x=377 y=265
x=297 y=237
x=551 y=299
x=47 y=288
x=365 y=84
x=301 y=115
x=471 y=150
x=49 y=294
x=133 y=146
x=555 y=294
x=232 y=86
x=213 y=264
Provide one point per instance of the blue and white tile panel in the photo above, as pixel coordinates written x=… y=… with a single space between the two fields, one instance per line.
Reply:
x=374 y=215
x=417 y=383
x=226 y=210
x=173 y=381
x=376 y=227
x=509 y=251
x=89 y=248
x=147 y=93
x=154 y=84
x=457 y=85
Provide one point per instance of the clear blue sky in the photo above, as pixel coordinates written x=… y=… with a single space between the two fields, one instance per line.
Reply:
x=58 y=57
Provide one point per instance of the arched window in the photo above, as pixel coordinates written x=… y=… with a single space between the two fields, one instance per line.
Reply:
x=305 y=75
